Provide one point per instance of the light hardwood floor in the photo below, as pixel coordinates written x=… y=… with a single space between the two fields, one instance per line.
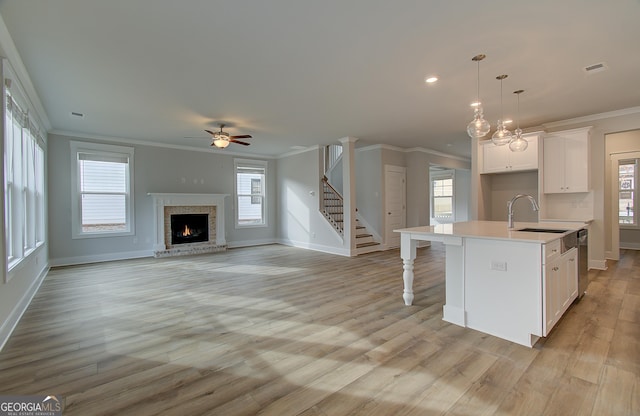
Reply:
x=276 y=330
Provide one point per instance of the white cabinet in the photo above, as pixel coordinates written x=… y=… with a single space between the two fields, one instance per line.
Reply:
x=498 y=159
x=566 y=166
x=560 y=283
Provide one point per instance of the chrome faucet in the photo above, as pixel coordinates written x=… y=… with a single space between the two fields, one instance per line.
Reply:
x=534 y=204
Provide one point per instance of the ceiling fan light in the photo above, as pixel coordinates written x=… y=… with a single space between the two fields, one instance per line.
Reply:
x=220 y=142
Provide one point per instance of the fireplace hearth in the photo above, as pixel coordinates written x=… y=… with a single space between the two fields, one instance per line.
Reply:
x=188 y=224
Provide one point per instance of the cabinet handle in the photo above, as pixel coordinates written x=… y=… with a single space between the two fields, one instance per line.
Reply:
x=572 y=259
x=555 y=269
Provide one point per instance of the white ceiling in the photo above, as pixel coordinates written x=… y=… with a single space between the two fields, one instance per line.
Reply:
x=303 y=72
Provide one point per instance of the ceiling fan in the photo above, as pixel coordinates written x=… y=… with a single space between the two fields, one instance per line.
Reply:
x=221 y=139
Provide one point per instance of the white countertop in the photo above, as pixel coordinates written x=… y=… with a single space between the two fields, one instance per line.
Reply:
x=495 y=230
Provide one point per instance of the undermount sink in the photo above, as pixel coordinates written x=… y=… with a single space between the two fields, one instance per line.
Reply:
x=542 y=230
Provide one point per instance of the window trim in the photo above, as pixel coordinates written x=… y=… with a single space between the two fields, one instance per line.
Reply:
x=250 y=163
x=76 y=211
x=636 y=198
x=24 y=219
x=442 y=175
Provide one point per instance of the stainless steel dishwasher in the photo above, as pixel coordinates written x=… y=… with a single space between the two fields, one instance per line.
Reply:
x=583 y=261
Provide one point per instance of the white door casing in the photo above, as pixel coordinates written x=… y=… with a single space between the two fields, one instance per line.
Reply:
x=395 y=211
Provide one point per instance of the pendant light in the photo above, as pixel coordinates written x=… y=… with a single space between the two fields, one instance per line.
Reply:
x=478 y=127
x=502 y=136
x=519 y=143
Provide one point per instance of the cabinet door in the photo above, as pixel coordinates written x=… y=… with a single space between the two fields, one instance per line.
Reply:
x=527 y=160
x=576 y=148
x=553 y=283
x=570 y=269
x=553 y=165
x=495 y=159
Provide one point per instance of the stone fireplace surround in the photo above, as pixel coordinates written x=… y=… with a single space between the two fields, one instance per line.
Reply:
x=165 y=204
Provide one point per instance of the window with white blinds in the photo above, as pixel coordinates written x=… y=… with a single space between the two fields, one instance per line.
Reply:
x=250 y=187
x=102 y=178
x=24 y=205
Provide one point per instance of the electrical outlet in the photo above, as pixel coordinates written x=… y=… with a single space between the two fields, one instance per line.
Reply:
x=500 y=266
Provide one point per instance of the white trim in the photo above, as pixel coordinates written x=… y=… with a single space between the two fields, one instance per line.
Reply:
x=138 y=142
x=316 y=247
x=592 y=117
x=100 y=258
x=598 y=264
x=252 y=243
x=412 y=149
x=294 y=152
x=615 y=158
x=76 y=213
x=23 y=78
x=260 y=164
x=161 y=200
x=9 y=325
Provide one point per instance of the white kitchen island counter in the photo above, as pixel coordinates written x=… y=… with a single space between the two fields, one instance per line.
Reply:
x=494 y=276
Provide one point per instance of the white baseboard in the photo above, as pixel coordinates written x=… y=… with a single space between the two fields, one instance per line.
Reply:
x=316 y=247
x=598 y=264
x=454 y=315
x=630 y=245
x=7 y=327
x=99 y=258
x=251 y=243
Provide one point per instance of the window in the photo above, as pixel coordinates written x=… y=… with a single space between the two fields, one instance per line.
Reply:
x=442 y=195
x=250 y=186
x=24 y=179
x=627 y=179
x=102 y=178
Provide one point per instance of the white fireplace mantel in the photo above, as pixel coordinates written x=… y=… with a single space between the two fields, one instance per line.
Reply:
x=161 y=200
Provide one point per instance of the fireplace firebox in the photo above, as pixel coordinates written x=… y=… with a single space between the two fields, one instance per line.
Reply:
x=189 y=228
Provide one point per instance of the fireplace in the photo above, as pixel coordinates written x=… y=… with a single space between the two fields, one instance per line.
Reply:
x=188 y=224
x=189 y=228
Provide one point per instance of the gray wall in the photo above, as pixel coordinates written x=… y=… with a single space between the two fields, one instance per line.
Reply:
x=300 y=222
x=157 y=169
x=369 y=187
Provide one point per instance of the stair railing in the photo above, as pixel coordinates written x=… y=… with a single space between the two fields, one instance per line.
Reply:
x=332 y=205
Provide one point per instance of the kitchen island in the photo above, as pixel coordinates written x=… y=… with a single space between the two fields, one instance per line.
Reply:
x=504 y=282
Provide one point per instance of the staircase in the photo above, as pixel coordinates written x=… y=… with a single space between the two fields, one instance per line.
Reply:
x=332 y=207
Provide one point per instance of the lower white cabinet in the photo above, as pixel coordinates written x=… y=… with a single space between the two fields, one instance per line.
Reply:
x=560 y=286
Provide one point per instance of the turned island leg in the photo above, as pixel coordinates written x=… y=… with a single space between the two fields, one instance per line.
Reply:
x=408 y=254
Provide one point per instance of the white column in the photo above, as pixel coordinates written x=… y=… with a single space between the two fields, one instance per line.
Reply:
x=349 y=193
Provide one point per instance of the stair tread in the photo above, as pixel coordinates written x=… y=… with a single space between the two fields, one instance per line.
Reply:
x=369 y=244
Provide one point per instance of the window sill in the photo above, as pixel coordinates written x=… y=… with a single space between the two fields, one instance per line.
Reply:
x=103 y=235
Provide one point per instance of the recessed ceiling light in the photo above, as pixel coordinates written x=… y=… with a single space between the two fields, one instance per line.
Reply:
x=431 y=79
x=477 y=103
x=507 y=121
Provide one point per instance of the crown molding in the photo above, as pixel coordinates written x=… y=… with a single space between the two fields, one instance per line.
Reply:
x=122 y=140
x=592 y=117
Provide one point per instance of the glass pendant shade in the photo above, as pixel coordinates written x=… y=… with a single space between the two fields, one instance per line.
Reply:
x=479 y=127
x=502 y=136
x=519 y=143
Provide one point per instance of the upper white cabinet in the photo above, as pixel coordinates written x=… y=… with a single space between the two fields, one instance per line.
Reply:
x=499 y=159
x=566 y=161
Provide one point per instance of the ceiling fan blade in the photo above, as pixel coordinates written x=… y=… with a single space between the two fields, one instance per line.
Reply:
x=210 y=132
x=239 y=142
x=244 y=136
